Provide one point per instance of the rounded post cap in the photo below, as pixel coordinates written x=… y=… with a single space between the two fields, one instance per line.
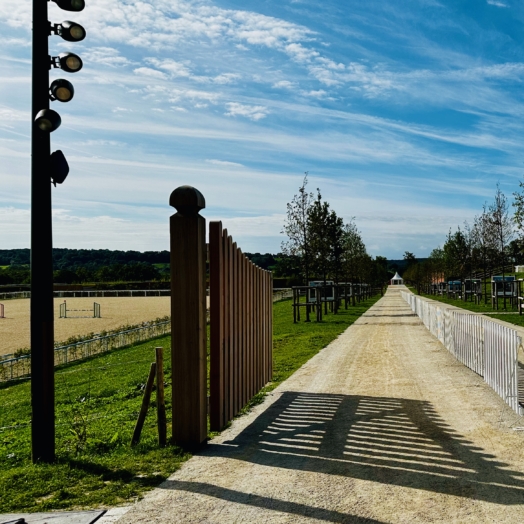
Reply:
x=187 y=200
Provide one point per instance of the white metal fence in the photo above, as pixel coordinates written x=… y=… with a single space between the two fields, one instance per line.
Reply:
x=15 y=294
x=488 y=348
x=95 y=293
x=279 y=294
x=19 y=367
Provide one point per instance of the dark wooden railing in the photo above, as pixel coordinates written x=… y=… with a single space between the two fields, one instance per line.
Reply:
x=241 y=298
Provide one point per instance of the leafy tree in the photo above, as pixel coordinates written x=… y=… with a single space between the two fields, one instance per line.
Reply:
x=353 y=253
x=502 y=228
x=457 y=254
x=65 y=276
x=483 y=245
x=325 y=231
x=379 y=273
x=297 y=229
x=410 y=259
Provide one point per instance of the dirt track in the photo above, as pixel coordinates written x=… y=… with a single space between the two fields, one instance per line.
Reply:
x=382 y=426
x=116 y=312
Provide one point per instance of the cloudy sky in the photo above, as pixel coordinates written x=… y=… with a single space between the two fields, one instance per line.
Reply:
x=406 y=114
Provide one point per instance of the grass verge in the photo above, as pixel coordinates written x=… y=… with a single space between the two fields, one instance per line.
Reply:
x=97 y=403
x=509 y=316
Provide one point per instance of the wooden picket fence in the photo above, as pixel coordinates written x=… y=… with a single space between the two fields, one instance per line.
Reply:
x=241 y=297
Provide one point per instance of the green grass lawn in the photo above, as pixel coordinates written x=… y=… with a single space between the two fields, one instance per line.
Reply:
x=470 y=306
x=513 y=318
x=97 y=403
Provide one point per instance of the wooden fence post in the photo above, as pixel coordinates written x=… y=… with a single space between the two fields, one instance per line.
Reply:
x=160 y=399
x=145 y=405
x=188 y=318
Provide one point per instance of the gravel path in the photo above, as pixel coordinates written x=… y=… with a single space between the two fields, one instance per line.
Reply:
x=382 y=426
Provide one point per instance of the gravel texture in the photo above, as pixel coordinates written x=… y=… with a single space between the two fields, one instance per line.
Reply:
x=382 y=426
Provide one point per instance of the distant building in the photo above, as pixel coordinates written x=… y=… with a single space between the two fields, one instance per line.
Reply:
x=396 y=280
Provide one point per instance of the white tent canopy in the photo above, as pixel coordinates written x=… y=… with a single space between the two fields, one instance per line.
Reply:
x=397 y=280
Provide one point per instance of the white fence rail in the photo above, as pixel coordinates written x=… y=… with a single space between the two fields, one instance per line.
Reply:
x=20 y=367
x=488 y=348
x=15 y=294
x=279 y=294
x=94 y=293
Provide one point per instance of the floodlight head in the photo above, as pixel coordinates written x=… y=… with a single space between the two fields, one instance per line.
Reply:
x=70 y=31
x=70 y=62
x=61 y=90
x=48 y=120
x=70 y=5
x=58 y=167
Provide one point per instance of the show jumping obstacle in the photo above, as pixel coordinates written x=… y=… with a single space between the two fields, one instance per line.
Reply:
x=95 y=311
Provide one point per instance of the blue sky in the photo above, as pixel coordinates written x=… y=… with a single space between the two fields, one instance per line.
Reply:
x=406 y=114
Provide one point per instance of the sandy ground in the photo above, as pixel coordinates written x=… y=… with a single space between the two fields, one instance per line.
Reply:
x=115 y=311
x=382 y=426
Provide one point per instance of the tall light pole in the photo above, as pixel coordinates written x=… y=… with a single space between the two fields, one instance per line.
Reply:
x=45 y=168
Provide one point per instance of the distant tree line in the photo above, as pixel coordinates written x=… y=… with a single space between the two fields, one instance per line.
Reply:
x=64 y=258
x=320 y=246
x=88 y=265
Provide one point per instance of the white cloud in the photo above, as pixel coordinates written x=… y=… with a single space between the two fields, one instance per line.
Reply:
x=283 y=84
x=98 y=143
x=224 y=163
x=251 y=112
x=175 y=69
x=147 y=71
x=193 y=95
x=108 y=56
x=226 y=78
x=320 y=93
x=12 y=115
x=15 y=42
x=496 y=3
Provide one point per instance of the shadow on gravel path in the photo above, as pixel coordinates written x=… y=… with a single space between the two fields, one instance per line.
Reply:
x=266 y=503
x=386 y=440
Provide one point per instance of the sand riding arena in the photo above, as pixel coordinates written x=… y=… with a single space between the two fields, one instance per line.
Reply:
x=115 y=312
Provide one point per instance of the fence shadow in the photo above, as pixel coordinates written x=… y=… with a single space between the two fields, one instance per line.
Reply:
x=387 y=440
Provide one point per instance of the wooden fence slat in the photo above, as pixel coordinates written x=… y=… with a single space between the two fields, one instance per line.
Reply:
x=225 y=316
x=258 y=380
x=216 y=293
x=231 y=329
x=236 y=334
x=244 y=331
x=241 y=327
x=250 y=388
x=270 y=326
